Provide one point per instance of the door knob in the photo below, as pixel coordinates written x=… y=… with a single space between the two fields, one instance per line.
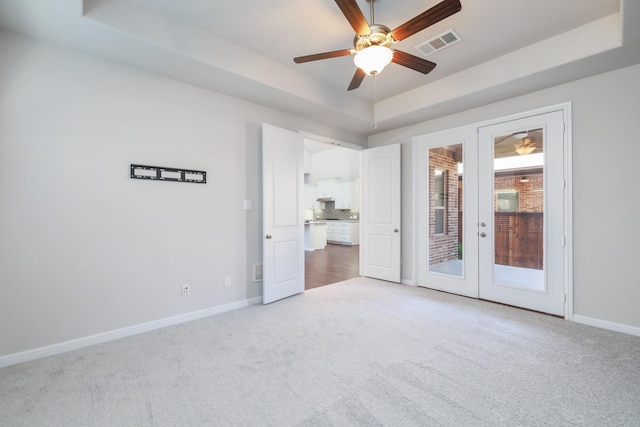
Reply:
x=483 y=234
x=482 y=224
x=268 y=236
x=395 y=230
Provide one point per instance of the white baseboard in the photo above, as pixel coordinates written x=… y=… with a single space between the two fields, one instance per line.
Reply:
x=605 y=324
x=408 y=282
x=25 y=356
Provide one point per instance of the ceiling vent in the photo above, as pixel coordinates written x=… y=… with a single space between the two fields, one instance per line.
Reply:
x=445 y=39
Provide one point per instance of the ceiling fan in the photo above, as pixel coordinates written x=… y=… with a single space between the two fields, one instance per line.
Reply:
x=525 y=141
x=372 y=43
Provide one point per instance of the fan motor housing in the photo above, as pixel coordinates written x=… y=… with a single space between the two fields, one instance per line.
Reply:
x=380 y=36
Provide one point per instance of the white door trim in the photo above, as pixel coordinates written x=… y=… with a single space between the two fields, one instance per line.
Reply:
x=331 y=141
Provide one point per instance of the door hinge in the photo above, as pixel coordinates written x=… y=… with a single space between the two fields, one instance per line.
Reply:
x=565 y=298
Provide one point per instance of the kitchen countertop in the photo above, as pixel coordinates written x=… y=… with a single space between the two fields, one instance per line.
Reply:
x=324 y=221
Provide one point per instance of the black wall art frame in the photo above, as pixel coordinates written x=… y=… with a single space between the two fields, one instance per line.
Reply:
x=162 y=173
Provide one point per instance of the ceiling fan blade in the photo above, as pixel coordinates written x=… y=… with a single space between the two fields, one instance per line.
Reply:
x=436 y=14
x=358 y=77
x=325 y=55
x=415 y=63
x=354 y=15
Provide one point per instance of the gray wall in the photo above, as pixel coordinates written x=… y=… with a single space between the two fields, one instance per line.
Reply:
x=84 y=249
x=606 y=149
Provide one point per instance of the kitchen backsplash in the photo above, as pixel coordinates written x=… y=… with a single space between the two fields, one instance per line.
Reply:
x=330 y=212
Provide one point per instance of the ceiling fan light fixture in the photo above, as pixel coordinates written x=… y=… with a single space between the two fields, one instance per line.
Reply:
x=372 y=42
x=373 y=59
x=526 y=146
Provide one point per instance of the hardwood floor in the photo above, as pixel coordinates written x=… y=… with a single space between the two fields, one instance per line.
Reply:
x=333 y=264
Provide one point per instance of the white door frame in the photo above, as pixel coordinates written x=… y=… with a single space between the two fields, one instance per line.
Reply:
x=568 y=193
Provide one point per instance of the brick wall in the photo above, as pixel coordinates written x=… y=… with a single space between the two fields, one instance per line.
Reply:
x=444 y=247
x=530 y=193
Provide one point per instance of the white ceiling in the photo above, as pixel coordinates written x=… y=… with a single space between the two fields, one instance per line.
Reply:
x=245 y=49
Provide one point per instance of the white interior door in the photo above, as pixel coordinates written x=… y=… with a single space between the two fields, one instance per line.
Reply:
x=283 y=213
x=448 y=244
x=521 y=213
x=381 y=213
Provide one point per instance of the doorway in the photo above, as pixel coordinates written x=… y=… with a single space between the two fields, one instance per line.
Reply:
x=283 y=206
x=492 y=211
x=332 y=212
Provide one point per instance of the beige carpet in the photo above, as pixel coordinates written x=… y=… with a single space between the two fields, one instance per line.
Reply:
x=362 y=352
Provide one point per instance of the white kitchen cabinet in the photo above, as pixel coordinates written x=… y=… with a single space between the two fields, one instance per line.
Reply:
x=347 y=195
x=327 y=188
x=337 y=162
x=345 y=233
x=311 y=197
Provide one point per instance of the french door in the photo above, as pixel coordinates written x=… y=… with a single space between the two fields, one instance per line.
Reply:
x=447 y=185
x=283 y=213
x=492 y=212
x=521 y=213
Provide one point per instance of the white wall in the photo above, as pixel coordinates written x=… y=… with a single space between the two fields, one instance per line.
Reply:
x=606 y=149
x=84 y=249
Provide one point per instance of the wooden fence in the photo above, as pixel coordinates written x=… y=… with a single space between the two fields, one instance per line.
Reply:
x=518 y=238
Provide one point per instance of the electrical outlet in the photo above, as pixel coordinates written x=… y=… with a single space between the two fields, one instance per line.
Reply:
x=227 y=281
x=186 y=290
x=257 y=272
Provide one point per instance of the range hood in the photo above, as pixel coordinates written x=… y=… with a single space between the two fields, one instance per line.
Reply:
x=325 y=199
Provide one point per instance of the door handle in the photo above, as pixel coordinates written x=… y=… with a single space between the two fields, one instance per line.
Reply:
x=483 y=234
x=268 y=236
x=395 y=230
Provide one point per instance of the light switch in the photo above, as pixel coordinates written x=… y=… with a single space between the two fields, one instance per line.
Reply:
x=248 y=204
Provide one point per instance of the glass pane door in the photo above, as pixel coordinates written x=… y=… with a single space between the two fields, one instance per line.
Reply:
x=448 y=210
x=518 y=199
x=445 y=222
x=521 y=212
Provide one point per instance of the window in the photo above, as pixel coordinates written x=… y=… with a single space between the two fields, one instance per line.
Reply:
x=440 y=197
x=507 y=201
